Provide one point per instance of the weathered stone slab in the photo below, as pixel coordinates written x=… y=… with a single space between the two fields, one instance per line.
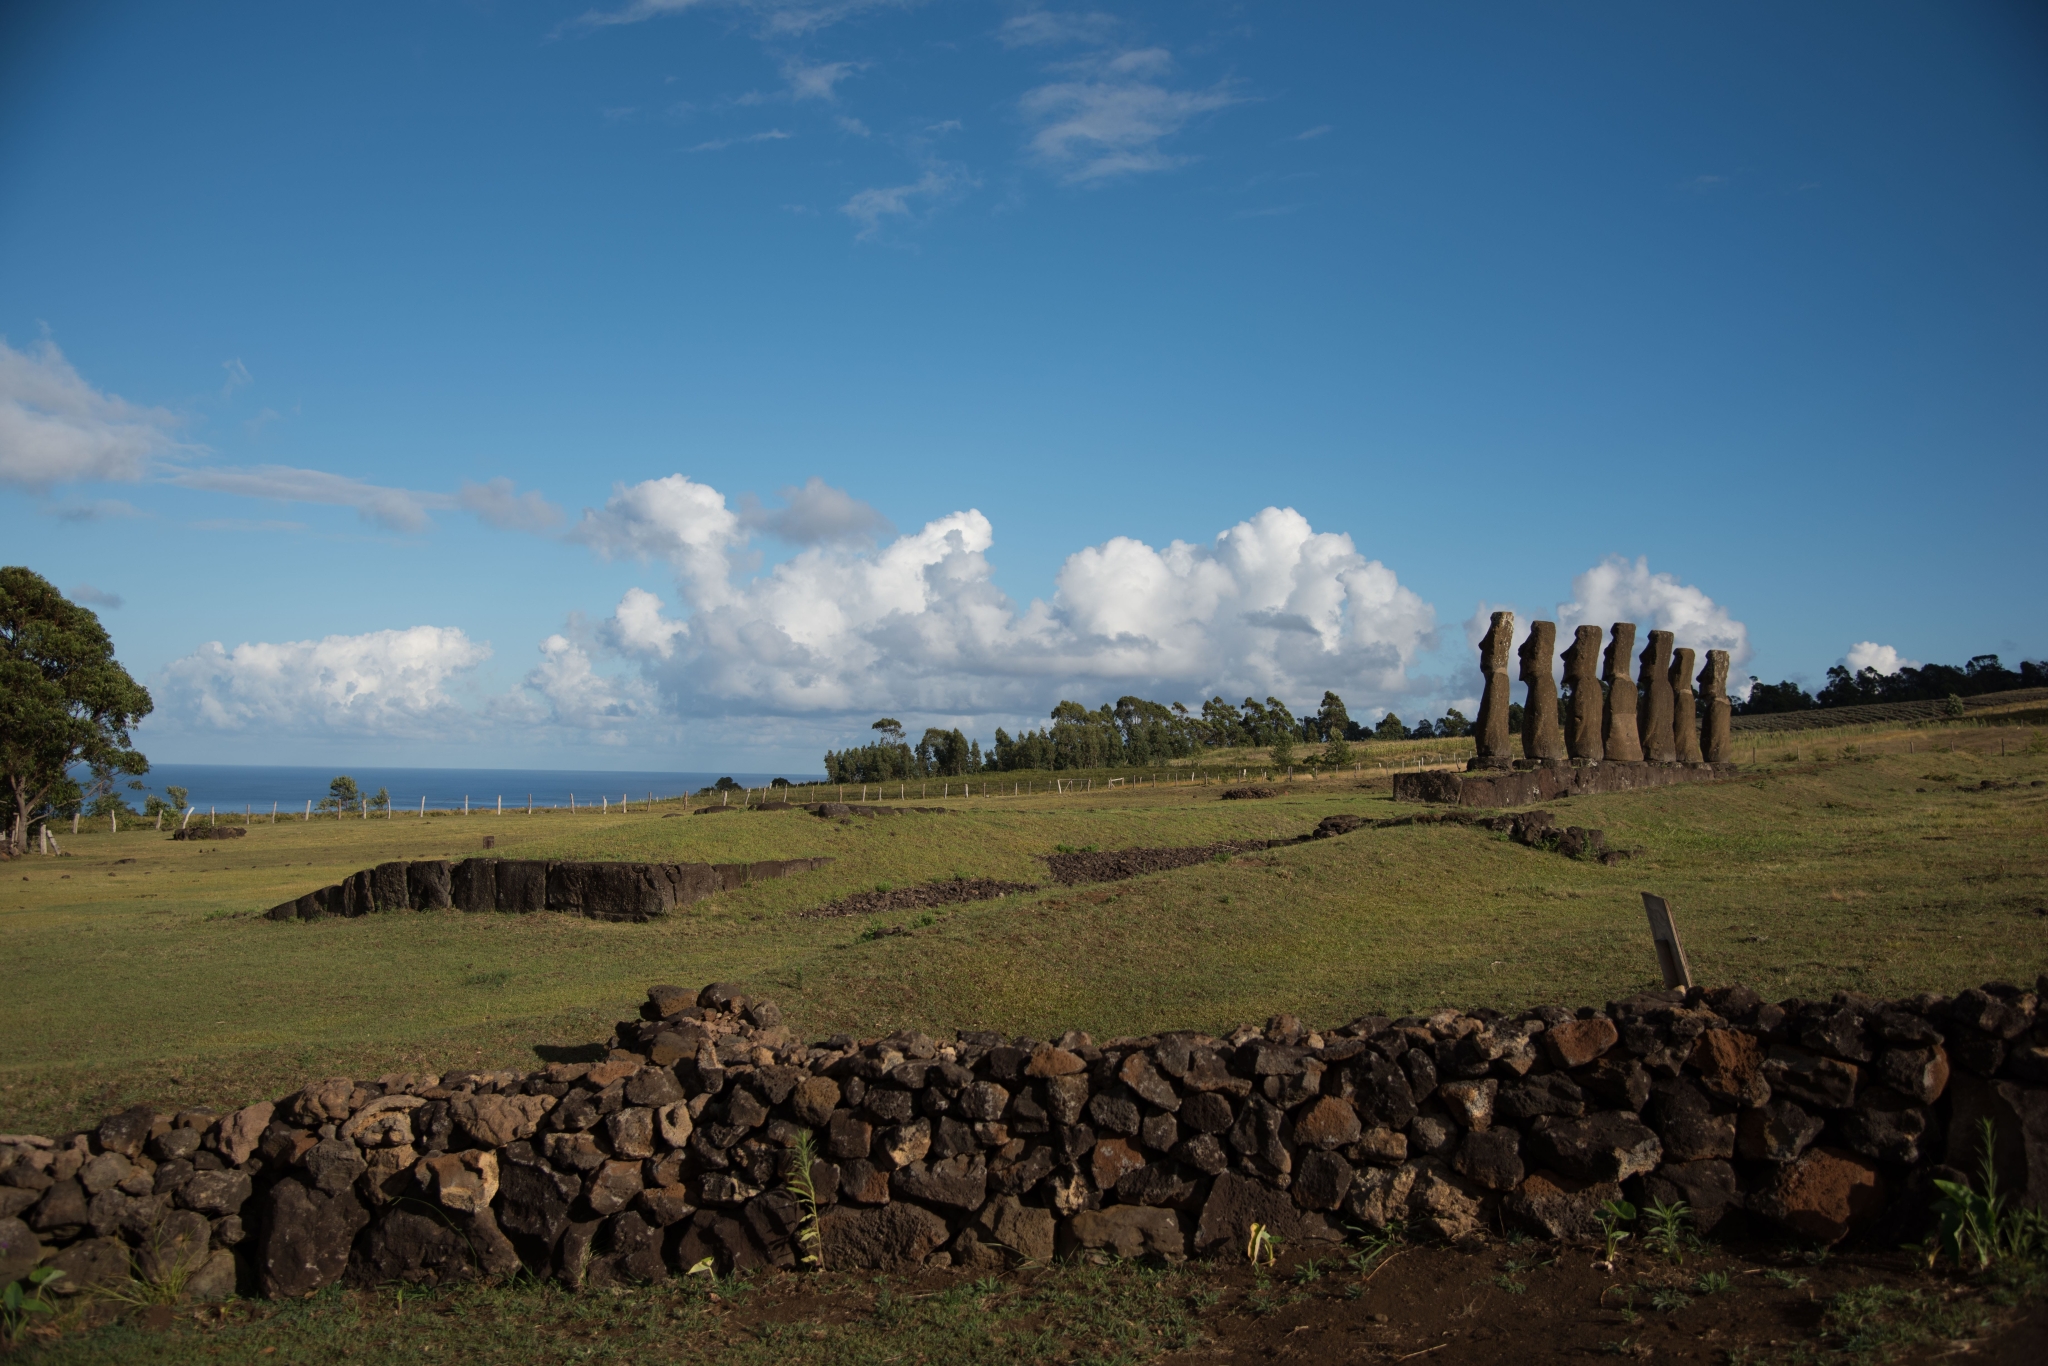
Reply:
x=473 y=885
x=521 y=885
x=426 y=885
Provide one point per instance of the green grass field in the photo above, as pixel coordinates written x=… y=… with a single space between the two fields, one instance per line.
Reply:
x=138 y=968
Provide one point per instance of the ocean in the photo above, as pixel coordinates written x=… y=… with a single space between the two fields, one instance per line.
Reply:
x=231 y=787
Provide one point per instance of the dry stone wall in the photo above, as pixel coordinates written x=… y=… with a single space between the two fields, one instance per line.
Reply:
x=1814 y=1119
x=601 y=891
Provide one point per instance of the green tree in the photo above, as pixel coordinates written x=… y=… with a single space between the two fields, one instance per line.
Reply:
x=64 y=700
x=1332 y=721
x=891 y=728
x=1390 y=728
x=1337 y=754
x=342 y=794
x=1283 y=749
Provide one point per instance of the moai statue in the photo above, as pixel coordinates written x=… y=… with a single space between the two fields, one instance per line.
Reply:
x=1491 y=733
x=1714 y=693
x=1621 y=742
x=1542 y=738
x=1582 y=672
x=1685 y=721
x=1653 y=708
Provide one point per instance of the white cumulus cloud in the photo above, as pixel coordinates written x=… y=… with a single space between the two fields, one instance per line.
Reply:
x=381 y=683
x=1620 y=589
x=1868 y=654
x=57 y=429
x=566 y=691
x=673 y=519
x=1270 y=606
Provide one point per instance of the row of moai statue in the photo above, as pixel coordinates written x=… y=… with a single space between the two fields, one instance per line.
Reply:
x=1650 y=719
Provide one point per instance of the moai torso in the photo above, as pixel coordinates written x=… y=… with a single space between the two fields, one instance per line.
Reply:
x=1491 y=734
x=1588 y=704
x=1542 y=739
x=1653 y=705
x=1685 y=721
x=1714 y=697
x=1622 y=743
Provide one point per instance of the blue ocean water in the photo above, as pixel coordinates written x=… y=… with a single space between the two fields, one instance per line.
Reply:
x=233 y=786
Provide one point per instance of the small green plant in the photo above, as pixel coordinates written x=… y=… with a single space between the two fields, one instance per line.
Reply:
x=1710 y=1283
x=1611 y=1216
x=1308 y=1272
x=1667 y=1228
x=1981 y=1228
x=1670 y=1301
x=1507 y=1282
x=1262 y=1248
x=16 y=1308
x=883 y=887
x=804 y=1187
x=1789 y=1280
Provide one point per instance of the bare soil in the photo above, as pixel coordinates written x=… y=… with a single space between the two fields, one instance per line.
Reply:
x=950 y=892
x=1072 y=869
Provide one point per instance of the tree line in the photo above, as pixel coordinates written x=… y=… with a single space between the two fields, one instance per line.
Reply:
x=1134 y=732
x=1924 y=683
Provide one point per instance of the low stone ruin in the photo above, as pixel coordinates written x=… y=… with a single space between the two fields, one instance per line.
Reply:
x=1811 y=1119
x=1609 y=733
x=601 y=891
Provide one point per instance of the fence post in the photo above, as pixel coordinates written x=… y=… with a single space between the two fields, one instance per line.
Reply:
x=423 y=806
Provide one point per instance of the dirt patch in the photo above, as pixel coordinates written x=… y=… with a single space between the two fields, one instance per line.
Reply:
x=209 y=832
x=1069 y=869
x=948 y=893
x=1246 y=794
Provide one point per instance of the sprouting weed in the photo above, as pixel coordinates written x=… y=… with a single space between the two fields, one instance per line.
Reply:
x=1790 y=1280
x=1710 y=1282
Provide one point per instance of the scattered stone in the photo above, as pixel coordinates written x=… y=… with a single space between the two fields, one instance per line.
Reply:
x=1129 y=1231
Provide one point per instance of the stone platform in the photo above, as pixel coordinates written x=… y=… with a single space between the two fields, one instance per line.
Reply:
x=1520 y=786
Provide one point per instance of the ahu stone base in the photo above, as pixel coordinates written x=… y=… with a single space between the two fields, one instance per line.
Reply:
x=1520 y=786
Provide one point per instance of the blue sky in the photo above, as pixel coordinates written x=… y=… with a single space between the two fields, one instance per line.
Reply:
x=388 y=363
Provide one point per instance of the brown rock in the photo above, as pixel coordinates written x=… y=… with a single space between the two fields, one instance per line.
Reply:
x=1824 y=1195
x=1470 y=1102
x=1620 y=740
x=493 y=1121
x=1147 y=1083
x=1326 y=1123
x=1921 y=1073
x=1599 y=1147
x=1128 y=1231
x=1707 y=1187
x=1112 y=1159
x=241 y=1131
x=1321 y=1181
x=1235 y=1203
x=1025 y=1231
x=305 y=1238
x=464 y=1182
x=1578 y=1042
x=1048 y=1061
x=895 y=1237
x=20 y=1250
x=1559 y=1206
x=1730 y=1064
x=1777 y=1132
x=1491 y=1158
x=1654 y=715
x=1542 y=737
x=1826 y=1082
x=814 y=1100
